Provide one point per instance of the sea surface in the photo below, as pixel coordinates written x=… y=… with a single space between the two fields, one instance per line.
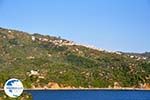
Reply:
x=90 y=94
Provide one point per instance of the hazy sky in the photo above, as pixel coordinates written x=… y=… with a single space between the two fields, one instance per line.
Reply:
x=120 y=25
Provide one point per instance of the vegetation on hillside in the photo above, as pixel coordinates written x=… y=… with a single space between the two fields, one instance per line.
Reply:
x=24 y=96
x=37 y=60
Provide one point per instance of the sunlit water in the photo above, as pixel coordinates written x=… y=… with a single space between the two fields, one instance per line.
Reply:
x=90 y=95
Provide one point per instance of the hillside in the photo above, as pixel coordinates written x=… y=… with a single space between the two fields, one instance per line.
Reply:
x=46 y=62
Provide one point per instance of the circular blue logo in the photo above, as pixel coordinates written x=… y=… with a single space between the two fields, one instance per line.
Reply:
x=13 y=88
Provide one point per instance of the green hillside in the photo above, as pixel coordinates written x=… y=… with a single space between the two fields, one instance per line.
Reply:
x=37 y=60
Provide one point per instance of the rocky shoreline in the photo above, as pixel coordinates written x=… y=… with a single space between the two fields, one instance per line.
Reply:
x=56 y=86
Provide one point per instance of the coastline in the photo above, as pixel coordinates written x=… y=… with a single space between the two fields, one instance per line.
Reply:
x=90 y=89
x=82 y=89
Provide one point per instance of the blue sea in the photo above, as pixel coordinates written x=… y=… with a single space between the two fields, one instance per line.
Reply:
x=90 y=94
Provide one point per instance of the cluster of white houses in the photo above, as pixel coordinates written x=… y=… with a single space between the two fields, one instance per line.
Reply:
x=137 y=57
x=56 y=42
x=61 y=42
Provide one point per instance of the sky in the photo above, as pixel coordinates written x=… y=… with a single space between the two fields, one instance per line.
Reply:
x=117 y=25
